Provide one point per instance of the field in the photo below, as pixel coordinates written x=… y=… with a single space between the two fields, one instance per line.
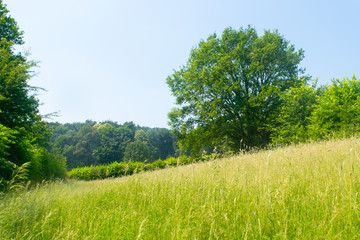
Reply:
x=308 y=191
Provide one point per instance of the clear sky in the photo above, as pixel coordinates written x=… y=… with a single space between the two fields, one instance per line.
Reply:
x=109 y=59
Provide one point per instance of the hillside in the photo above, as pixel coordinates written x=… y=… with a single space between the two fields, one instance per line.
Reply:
x=299 y=192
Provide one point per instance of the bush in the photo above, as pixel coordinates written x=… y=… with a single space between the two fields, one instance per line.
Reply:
x=83 y=173
x=6 y=168
x=185 y=160
x=172 y=161
x=47 y=166
x=134 y=167
x=158 y=164
x=337 y=113
x=118 y=169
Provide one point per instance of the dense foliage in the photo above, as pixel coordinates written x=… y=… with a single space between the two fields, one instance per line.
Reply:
x=92 y=143
x=337 y=112
x=291 y=125
x=118 y=169
x=237 y=91
x=331 y=111
x=230 y=89
x=23 y=133
x=241 y=91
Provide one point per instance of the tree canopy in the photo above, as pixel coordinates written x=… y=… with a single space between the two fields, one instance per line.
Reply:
x=92 y=143
x=337 y=111
x=23 y=132
x=229 y=91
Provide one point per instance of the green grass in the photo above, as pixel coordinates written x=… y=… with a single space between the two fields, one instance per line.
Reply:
x=308 y=191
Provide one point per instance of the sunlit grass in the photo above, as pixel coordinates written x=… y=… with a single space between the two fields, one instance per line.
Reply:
x=300 y=192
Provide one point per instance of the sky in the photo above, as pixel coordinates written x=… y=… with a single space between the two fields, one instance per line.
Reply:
x=109 y=59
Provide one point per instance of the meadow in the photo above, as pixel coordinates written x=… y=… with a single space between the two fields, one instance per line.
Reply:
x=307 y=191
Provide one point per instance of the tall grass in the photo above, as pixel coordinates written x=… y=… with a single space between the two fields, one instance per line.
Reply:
x=307 y=191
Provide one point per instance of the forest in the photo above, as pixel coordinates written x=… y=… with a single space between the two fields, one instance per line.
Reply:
x=92 y=143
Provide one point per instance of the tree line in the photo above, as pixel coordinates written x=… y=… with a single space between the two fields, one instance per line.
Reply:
x=92 y=143
x=308 y=113
x=237 y=91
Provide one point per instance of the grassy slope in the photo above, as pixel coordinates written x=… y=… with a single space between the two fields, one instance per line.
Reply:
x=300 y=192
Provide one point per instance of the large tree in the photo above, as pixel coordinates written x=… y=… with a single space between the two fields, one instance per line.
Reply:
x=229 y=91
x=23 y=132
x=18 y=109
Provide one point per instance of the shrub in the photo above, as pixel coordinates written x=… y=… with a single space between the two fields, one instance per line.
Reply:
x=158 y=164
x=171 y=161
x=337 y=113
x=118 y=169
x=134 y=167
x=47 y=166
x=82 y=173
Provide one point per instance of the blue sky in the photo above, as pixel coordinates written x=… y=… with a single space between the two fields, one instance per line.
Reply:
x=108 y=59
